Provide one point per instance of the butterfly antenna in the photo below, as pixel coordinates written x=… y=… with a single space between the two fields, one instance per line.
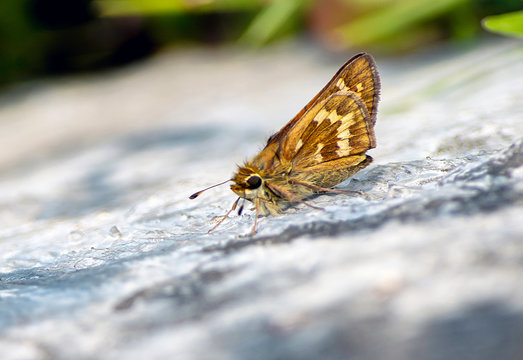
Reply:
x=196 y=194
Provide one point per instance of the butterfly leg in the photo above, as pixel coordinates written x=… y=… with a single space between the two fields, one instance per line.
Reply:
x=287 y=195
x=226 y=215
x=257 y=203
x=320 y=189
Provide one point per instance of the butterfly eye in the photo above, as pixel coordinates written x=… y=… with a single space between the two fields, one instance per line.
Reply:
x=254 y=182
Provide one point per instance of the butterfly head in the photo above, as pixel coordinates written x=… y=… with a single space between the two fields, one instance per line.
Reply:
x=248 y=183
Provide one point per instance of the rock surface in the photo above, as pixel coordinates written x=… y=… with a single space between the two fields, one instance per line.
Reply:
x=102 y=255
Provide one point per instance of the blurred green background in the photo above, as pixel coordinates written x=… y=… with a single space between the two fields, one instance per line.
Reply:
x=47 y=37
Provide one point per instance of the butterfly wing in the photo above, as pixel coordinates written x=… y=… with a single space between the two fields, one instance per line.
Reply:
x=334 y=128
x=358 y=75
x=331 y=134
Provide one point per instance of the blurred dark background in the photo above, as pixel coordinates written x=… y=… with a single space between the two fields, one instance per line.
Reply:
x=49 y=37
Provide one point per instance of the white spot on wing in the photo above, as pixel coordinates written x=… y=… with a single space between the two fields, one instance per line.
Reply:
x=343 y=147
x=317 y=156
x=321 y=115
x=333 y=116
x=298 y=145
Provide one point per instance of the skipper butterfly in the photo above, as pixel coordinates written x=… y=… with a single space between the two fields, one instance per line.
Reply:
x=323 y=145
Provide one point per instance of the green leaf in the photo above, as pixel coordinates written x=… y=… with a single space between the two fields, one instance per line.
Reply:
x=271 y=19
x=506 y=24
x=159 y=7
x=393 y=18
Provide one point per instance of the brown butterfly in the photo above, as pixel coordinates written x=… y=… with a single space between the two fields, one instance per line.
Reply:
x=323 y=145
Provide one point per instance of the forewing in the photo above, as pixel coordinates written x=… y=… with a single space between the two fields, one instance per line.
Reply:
x=336 y=127
x=359 y=76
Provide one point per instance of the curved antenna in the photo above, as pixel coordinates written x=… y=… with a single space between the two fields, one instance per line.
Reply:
x=196 y=194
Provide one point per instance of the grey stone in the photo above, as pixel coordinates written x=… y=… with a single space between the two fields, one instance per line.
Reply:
x=103 y=256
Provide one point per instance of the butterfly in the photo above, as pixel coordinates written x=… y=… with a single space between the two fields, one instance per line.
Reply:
x=323 y=145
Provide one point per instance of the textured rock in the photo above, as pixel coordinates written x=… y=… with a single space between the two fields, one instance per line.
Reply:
x=102 y=256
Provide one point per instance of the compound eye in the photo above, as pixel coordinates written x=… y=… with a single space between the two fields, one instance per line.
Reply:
x=254 y=182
